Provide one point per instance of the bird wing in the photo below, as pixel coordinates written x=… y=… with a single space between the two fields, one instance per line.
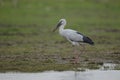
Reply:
x=72 y=35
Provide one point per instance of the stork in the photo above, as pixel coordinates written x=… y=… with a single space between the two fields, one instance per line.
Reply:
x=73 y=36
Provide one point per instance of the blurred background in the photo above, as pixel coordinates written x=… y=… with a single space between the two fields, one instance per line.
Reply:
x=27 y=42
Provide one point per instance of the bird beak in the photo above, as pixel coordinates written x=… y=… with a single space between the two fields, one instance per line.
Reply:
x=58 y=25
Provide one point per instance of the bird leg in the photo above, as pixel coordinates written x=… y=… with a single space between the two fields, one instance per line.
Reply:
x=82 y=50
x=76 y=57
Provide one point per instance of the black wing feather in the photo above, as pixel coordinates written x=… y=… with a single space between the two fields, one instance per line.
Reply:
x=88 y=40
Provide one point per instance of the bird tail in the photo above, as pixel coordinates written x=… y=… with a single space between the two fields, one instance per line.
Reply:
x=88 y=40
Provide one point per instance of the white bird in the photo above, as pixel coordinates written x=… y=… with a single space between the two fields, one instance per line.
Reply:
x=73 y=36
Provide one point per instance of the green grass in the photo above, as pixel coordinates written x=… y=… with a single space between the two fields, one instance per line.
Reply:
x=28 y=44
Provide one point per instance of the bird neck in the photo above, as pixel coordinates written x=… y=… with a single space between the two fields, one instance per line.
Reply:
x=61 y=28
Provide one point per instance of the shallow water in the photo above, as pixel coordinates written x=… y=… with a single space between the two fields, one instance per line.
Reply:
x=108 y=66
x=64 y=75
x=104 y=73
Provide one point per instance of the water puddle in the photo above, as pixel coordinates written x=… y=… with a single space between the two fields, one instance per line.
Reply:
x=104 y=73
x=108 y=66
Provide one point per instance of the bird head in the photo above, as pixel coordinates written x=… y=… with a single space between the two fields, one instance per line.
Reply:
x=62 y=22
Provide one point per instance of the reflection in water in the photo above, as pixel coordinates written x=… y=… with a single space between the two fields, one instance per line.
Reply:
x=76 y=75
